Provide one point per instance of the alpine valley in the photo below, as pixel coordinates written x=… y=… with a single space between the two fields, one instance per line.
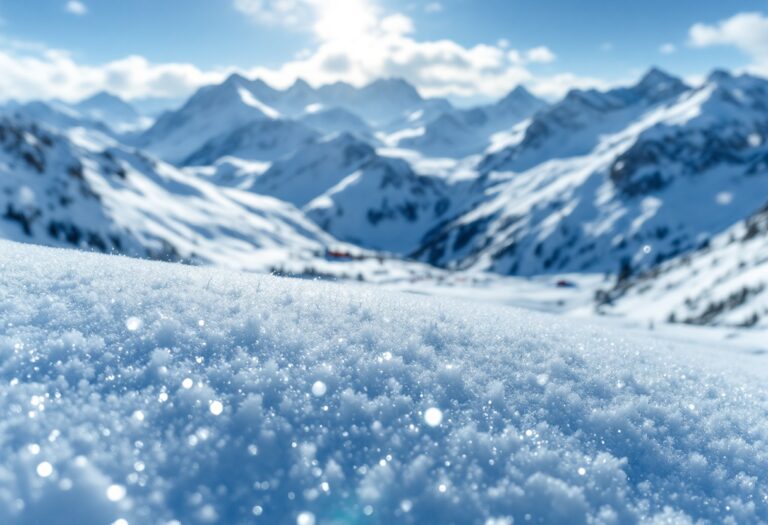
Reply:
x=627 y=194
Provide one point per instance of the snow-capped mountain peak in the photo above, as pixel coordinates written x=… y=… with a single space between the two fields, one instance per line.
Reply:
x=392 y=88
x=315 y=169
x=107 y=107
x=657 y=84
x=520 y=98
x=211 y=113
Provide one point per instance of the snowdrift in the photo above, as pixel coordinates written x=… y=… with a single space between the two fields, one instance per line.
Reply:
x=141 y=393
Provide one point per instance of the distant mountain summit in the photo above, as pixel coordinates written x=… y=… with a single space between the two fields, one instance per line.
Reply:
x=102 y=112
x=215 y=112
x=109 y=109
x=644 y=181
x=460 y=132
x=574 y=125
x=627 y=178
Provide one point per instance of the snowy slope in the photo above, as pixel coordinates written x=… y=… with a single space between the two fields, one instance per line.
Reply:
x=357 y=195
x=383 y=205
x=314 y=170
x=578 y=123
x=336 y=120
x=617 y=183
x=380 y=103
x=103 y=112
x=71 y=191
x=260 y=140
x=110 y=109
x=211 y=113
x=725 y=283
x=56 y=115
x=462 y=132
x=153 y=393
x=216 y=115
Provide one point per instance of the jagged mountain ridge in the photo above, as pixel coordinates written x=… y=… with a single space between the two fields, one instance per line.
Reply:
x=214 y=114
x=462 y=132
x=724 y=283
x=383 y=205
x=630 y=196
x=599 y=182
x=62 y=192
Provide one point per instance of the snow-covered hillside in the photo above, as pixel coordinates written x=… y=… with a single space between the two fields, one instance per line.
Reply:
x=110 y=109
x=462 y=132
x=138 y=392
x=630 y=177
x=260 y=140
x=250 y=119
x=383 y=205
x=336 y=120
x=315 y=169
x=210 y=114
x=612 y=182
x=103 y=112
x=55 y=115
x=75 y=191
x=725 y=283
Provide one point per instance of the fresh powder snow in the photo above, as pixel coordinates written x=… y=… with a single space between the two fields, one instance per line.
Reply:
x=141 y=392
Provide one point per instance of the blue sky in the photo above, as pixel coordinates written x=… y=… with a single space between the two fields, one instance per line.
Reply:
x=463 y=49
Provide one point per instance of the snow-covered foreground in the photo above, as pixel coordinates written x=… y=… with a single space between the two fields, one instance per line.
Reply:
x=150 y=393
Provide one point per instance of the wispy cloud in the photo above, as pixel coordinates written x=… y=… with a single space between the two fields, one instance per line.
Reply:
x=433 y=7
x=667 y=49
x=541 y=55
x=76 y=8
x=358 y=42
x=34 y=71
x=747 y=32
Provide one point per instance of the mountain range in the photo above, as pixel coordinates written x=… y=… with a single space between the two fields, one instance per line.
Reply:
x=649 y=183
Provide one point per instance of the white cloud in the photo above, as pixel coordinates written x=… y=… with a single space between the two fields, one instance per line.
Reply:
x=433 y=7
x=541 y=55
x=747 y=32
x=31 y=71
x=356 y=42
x=76 y=8
x=536 y=55
x=275 y=12
x=555 y=86
x=397 y=24
x=667 y=49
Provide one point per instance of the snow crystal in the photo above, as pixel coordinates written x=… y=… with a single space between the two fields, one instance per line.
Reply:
x=44 y=469
x=133 y=323
x=115 y=492
x=433 y=416
x=216 y=408
x=434 y=411
x=319 y=389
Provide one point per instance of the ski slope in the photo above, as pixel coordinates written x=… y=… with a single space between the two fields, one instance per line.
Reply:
x=141 y=392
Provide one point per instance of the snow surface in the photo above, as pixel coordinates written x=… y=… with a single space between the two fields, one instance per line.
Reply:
x=140 y=392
